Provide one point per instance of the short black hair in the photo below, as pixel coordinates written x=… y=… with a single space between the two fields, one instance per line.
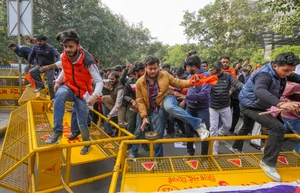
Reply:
x=115 y=74
x=138 y=66
x=117 y=68
x=70 y=35
x=217 y=66
x=10 y=45
x=204 y=62
x=180 y=71
x=58 y=36
x=41 y=37
x=151 y=60
x=194 y=60
x=250 y=66
x=287 y=58
x=225 y=57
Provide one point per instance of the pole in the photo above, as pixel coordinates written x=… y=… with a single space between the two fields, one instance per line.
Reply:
x=19 y=44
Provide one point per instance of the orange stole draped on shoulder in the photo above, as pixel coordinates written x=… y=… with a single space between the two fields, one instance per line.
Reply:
x=231 y=71
x=213 y=79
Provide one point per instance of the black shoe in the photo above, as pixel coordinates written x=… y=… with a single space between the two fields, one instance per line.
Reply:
x=255 y=146
x=38 y=89
x=85 y=150
x=73 y=135
x=146 y=147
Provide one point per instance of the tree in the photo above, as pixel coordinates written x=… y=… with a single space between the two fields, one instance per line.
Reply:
x=277 y=51
x=227 y=28
x=287 y=16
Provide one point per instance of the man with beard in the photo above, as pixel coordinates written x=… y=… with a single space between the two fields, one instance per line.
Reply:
x=154 y=99
x=44 y=54
x=78 y=72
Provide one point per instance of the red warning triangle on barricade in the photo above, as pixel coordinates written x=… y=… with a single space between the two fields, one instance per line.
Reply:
x=283 y=160
x=109 y=146
x=193 y=163
x=148 y=165
x=237 y=162
x=42 y=125
x=45 y=137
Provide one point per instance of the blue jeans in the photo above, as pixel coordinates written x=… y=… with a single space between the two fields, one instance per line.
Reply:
x=74 y=123
x=189 y=131
x=36 y=75
x=294 y=125
x=171 y=106
x=106 y=125
x=158 y=123
x=64 y=94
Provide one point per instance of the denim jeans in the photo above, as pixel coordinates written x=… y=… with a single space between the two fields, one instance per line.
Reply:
x=276 y=133
x=204 y=115
x=64 y=94
x=36 y=75
x=171 y=106
x=106 y=125
x=158 y=123
x=294 y=125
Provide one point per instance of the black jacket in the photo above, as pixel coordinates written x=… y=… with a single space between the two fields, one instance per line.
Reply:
x=219 y=94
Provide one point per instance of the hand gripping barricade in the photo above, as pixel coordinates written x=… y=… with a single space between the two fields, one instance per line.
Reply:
x=28 y=164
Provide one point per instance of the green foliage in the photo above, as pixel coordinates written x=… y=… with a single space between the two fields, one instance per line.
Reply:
x=257 y=57
x=277 y=51
x=227 y=28
x=287 y=16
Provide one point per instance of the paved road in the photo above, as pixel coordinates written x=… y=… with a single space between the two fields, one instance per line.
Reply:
x=84 y=171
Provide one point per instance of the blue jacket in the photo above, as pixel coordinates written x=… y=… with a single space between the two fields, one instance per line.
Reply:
x=44 y=55
x=198 y=97
x=247 y=96
x=23 y=51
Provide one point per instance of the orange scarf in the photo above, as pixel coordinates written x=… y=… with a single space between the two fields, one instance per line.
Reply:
x=231 y=71
x=213 y=79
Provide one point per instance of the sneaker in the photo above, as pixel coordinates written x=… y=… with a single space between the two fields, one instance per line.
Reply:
x=146 y=147
x=73 y=135
x=270 y=171
x=202 y=131
x=234 y=150
x=54 y=137
x=85 y=150
x=123 y=125
x=28 y=85
x=38 y=90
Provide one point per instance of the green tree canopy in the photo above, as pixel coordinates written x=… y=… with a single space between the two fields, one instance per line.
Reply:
x=227 y=28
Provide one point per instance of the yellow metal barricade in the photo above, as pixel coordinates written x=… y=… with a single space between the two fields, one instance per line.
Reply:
x=9 y=88
x=26 y=155
x=186 y=172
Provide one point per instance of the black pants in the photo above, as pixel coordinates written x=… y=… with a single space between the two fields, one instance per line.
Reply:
x=276 y=133
x=235 y=113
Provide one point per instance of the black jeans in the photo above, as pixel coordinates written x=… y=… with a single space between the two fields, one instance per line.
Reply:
x=276 y=133
x=189 y=131
x=235 y=113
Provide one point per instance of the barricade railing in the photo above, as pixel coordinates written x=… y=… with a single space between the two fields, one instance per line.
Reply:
x=120 y=162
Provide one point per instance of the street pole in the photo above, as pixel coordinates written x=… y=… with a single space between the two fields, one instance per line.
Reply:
x=19 y=44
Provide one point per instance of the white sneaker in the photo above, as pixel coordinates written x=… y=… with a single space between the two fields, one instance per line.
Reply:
x=270 y=171
x=202 y=131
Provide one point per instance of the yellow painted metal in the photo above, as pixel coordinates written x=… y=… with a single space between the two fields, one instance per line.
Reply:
x=14 y=167
x=175 y=173
x=28 y=94
x=10 y=92
x=48 y=169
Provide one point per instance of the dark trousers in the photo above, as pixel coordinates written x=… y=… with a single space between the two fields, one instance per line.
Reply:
x=189 y=131
x=235 y=113
x=276 y=133
x=36 y=75
x=131 y=119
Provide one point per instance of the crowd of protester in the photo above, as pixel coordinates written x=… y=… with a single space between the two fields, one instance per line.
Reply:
x=149 y=96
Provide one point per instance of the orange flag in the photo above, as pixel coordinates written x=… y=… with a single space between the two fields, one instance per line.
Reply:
x=30 y=79
x=213 y=79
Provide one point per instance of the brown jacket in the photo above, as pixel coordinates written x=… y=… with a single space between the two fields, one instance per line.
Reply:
x=164 y=79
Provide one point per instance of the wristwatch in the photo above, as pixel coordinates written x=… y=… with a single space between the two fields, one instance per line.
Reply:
x=95 y=96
